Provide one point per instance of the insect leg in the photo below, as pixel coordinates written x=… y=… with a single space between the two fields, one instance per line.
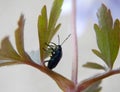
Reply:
x=49 y=46
x=52 y=47
x=45 y=62
x=53 y=43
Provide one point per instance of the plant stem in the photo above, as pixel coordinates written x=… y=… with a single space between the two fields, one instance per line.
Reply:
x=99 y=77
x=75 y=47
x=65 y=84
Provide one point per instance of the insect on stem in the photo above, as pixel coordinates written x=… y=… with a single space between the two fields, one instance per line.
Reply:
x=56 y=53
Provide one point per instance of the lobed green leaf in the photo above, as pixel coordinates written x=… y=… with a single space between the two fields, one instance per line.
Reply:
x=7 y=51
x=42 y=30
x=96 y=52
x=48 y=27
x=19 y=39
x=105 y=18
x=94 y=66
x=107 y=36
x=54 y=15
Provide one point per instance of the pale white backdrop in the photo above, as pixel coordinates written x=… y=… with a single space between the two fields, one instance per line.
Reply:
x=23 y=78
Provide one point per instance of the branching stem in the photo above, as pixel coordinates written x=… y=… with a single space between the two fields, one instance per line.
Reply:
x=90 y=81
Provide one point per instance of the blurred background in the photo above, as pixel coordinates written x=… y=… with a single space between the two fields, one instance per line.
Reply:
x=23 y=78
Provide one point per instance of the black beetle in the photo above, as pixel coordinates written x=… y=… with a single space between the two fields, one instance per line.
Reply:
x=56 y=53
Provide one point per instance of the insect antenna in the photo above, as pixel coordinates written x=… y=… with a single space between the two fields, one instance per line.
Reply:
x=65 y=39
x=58 y=40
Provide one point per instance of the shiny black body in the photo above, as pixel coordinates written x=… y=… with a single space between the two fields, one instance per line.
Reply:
x=55 y=57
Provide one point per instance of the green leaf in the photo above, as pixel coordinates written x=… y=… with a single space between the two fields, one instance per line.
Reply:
x=94 y=66
x=48 y=27
x=19 y=39
x=107 y=36
x=7 y=51
x=10 y=63
x=54 y=15
x=105 y=18
x=96 y=52
x=94 y=87
x=8 y=54
x=42 y=30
